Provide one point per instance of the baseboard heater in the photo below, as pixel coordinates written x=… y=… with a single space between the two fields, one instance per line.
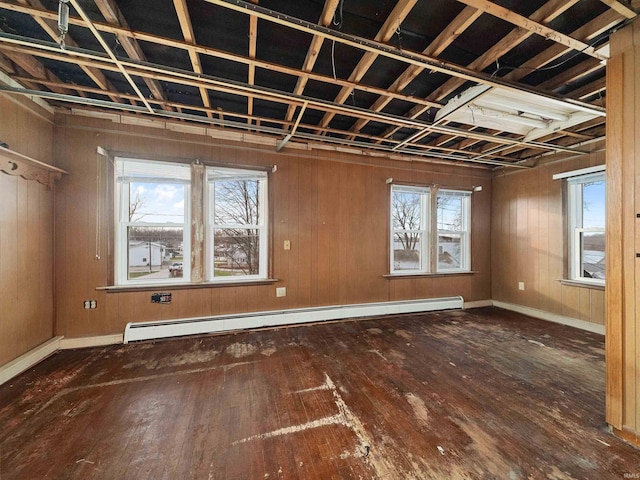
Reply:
x=135 y=331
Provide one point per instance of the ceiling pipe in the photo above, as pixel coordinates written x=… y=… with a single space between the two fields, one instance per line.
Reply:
x=248 y=127
x=286 y=139
x=242 y=89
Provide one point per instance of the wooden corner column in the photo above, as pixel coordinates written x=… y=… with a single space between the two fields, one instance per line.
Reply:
x=623 y=233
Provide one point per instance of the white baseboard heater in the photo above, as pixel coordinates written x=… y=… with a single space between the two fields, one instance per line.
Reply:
x=135 y=331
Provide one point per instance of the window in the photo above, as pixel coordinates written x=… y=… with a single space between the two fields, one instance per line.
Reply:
x=237 y=223
x=586 y=221
x=410 y=229
x=415 y=247
x=453 y=223
x=155 y=215
x=152 y=228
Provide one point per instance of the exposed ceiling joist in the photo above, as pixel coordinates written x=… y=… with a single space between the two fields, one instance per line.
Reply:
x=621 y=8
x=533 y=26
x=51 y=28
x=388 y=29
x=187 y=32
x=280 y=79
x=112 y=14
x=314 y=50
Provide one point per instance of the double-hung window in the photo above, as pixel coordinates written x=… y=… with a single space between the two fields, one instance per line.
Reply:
x=453 y=223
x=409 y=229
x=237 y=223
x=153 y=225
x=586 y=222
x=430 y=230
x=155 y=217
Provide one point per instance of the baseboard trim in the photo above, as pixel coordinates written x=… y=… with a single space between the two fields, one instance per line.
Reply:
x=26 y=361
x=478 y=304
x=225 y=323
x=628 y=436
x=552 y=317
x=84 y=342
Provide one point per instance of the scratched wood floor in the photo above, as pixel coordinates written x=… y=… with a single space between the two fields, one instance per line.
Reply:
x=481 y=394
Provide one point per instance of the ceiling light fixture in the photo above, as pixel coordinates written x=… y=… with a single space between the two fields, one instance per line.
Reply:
x=63 y=20
x=524 y=113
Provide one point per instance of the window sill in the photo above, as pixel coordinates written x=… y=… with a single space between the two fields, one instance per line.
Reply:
x=185 y=286
x=578 y=283
x=395 y=276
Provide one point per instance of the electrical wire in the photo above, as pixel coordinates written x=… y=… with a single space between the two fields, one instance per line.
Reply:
x=550 y=67
x=337 y=23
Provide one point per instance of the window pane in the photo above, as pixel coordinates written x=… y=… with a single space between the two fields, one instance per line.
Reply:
x=156 y=202
x=450 y=212
x=593 y=204
x=237 y=202
x=406 y=210
x=406 y=251
x=449 y=248
x=236 y=252
x=154 y=252
x=592 y=259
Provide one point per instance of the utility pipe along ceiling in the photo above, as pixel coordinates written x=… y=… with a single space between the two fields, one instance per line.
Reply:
x=470 y=81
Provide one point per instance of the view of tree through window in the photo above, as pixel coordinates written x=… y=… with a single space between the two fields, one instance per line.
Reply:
x=409 y=224
x=237 y=244
x=412 y=239
x=238 y=226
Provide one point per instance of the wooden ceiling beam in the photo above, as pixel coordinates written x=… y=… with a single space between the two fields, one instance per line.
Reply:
x=621 y=8
x=588 y=32
x=236 y=88
x=596 y=87
x=548 y=12
x=168 y=42
x=51 y=28
x=253 y=40
x=533 y=26
x=113 y=15
x=459 y=24
x=572 y=74
x=388 y=29
x=187 y=32
x=328 y=11
x=35 y=68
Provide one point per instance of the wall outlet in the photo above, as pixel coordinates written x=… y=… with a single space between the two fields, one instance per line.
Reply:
x=287 y=244
x=90 y=304
x=520 y=285
x=281 y=292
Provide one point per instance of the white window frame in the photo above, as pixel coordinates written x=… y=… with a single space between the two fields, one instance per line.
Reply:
x=425 y=212
x=121 y=248
x=263 y=226
x=464 y=232
x=574 y=223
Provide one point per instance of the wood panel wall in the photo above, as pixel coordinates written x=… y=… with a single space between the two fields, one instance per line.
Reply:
x=623 y=234
x=528 y=242
x=26 y=236
x=333 y=207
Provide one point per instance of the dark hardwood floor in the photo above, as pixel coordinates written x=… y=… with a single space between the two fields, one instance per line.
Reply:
x=480 y=394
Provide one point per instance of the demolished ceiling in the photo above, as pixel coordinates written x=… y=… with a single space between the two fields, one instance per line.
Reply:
x=494 y=83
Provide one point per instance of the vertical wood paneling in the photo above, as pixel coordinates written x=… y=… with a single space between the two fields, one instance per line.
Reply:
x=623 y=203
x=26 y=237
x=528 y=235
x=333 y=210
x=628 y=228
x=636 y=226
